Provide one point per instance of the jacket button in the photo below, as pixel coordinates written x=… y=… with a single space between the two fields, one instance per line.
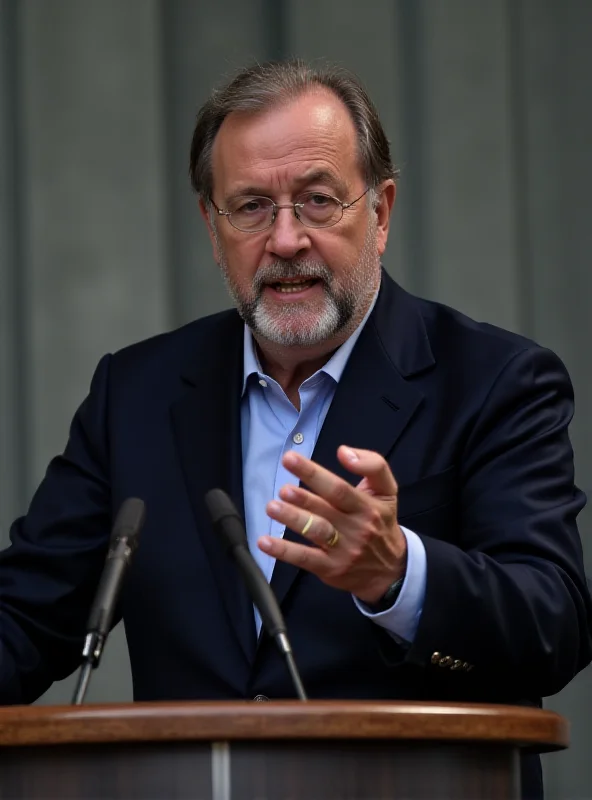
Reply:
x=435 y=658
x=260 y=698
x=445 y=662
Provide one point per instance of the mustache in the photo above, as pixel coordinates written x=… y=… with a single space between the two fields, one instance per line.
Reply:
x=287 y=270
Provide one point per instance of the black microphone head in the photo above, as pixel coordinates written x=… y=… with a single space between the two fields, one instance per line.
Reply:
x=225 y=518
x=129 y=521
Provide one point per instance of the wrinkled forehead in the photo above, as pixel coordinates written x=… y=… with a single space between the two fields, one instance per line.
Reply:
x=311 y=133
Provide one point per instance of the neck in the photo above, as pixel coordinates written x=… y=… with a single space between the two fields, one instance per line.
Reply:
x=291 y=366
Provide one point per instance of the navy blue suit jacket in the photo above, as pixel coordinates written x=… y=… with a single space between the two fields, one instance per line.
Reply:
x=473 y=421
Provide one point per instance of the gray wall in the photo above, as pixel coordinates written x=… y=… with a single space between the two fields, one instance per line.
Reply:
x=487 y=104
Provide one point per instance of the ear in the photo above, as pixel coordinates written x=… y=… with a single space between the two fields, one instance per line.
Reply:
x=208 y=220
x=386 y=201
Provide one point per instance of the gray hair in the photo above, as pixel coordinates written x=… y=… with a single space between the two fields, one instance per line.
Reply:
x=264 y=86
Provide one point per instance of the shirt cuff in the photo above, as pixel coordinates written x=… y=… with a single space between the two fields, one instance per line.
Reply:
x=402 y=619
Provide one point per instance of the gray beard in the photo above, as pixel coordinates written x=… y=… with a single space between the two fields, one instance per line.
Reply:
x=344 y=306
x=279 y=327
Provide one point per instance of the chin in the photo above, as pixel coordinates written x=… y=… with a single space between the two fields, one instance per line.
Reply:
x=297 y=333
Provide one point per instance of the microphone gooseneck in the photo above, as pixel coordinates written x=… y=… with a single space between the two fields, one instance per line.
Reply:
x=229 y=526
x=122 y=546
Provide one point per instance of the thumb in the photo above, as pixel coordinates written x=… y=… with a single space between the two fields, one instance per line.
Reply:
x=372 y=467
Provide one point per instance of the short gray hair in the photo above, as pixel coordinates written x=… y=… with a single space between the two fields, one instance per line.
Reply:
x=264 y=86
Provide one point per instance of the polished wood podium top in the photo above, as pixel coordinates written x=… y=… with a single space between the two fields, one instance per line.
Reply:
x=528 y=728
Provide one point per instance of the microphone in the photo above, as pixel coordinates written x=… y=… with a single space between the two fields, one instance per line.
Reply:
x=230 y=527
x=122 y=546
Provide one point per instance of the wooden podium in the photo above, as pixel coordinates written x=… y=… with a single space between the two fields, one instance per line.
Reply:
x=270 y=750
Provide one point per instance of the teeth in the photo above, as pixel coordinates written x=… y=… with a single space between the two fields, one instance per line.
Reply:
x=292 y=287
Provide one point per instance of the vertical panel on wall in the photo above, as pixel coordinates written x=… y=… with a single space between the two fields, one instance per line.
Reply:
x=409 y=46
x=558 y=64
x=276 y=27
x=202 y=47
x=12 y=283
x=468 y=200
x=361 y=38
x=95 y=208
x=573 y=302
x=519 y=164
x=94 y=196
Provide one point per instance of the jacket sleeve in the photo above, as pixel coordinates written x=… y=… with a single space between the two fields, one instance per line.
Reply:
x=50 y=571
x=507 y=605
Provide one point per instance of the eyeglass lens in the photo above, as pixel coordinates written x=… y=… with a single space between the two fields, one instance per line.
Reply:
x=314 y=209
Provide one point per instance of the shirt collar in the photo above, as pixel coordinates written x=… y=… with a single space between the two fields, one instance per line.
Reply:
x=334 y=366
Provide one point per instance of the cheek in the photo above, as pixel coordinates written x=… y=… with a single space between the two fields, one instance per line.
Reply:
x=243 y=257
x=340 y=252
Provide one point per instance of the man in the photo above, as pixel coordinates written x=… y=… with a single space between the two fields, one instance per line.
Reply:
x=405 y=473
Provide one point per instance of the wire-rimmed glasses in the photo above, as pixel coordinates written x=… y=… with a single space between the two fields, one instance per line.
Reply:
x=314 y=209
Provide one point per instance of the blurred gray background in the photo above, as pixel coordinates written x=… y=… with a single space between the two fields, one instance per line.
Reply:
x=488 y=107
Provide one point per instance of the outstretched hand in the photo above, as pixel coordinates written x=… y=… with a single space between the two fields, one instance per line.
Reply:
x=359 y=546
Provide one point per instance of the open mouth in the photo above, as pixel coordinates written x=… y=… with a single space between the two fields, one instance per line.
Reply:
x=293 y=286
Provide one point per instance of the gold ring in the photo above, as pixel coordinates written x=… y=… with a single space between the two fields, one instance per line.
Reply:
x=334 y=538
x=306 y=528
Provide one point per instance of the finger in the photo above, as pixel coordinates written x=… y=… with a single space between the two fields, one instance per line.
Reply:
x=315 y=528
x=313 y=504
x=337 y=492
x=311 y=559
x=377 y=474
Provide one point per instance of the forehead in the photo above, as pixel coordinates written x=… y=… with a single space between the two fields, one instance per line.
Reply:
x=277 y=148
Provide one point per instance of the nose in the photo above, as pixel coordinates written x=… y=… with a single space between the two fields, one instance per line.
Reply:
x=288 y=237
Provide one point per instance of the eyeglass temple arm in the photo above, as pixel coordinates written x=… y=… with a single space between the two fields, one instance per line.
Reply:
x=348 y=205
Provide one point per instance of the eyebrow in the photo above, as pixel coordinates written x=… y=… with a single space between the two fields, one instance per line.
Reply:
x=316 y=176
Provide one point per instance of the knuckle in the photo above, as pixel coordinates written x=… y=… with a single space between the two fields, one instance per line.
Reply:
x=280 y=549
x=388 y=513
x=307 y=471
x=339 y=571
x=381 y=462
x=328 y=528
x=303 y=499
x=378 y=465
x=374 y=517
x=364 y=536
x=356 y=554
x=339 y=492
x=303 y=557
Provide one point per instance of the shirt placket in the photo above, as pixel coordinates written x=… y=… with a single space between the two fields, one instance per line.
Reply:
x=301 y=436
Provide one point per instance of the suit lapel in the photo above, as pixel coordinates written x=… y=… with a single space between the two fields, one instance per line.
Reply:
x=206 y=423
x=373 y=403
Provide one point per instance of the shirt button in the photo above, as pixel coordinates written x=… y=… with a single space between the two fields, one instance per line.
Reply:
x=298 y=438
x=263 y=383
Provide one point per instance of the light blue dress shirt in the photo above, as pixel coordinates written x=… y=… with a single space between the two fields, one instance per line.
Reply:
x=270 y=426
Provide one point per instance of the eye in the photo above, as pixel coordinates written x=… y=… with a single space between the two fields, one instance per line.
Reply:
x=317 y=209
x=319 y=200
x=251 y=206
